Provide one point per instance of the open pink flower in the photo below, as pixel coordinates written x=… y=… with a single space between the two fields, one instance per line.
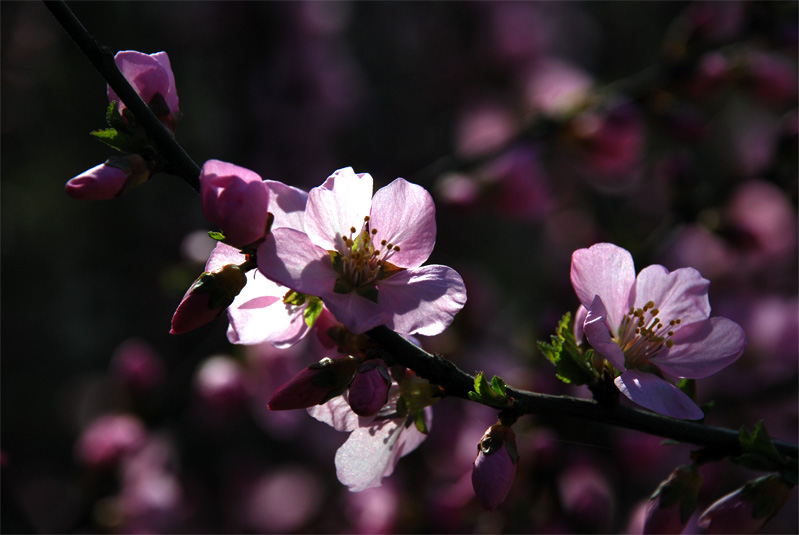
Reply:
x=149 y=74
x=650 y=327
x=376 y=443
x=363 y=256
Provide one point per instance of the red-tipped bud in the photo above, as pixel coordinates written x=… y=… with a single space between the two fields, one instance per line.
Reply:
x=495 y=466
x=673 y=502
x=747 y=509
x=315 y=384
x=235 y=199
x=210 y=294
x=109 y=179
x=369 y=389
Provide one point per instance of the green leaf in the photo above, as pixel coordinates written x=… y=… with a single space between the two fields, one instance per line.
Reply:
x=759 y=452
x=571 y=365
x=218 y=236
x=116 y=139
x=113 y=118
x=493 y=394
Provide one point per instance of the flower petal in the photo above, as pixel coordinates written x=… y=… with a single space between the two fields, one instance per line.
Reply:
x=288 y=257
x=287 y=204
x=679 y=294
x=258 y=315
x=422 y=300
x=356 y=313
x=371 y=453
x=338 y=205
x=596 y=330
x=608 y=271
x=653 y=393
x=338 y=414
x=702 y=348
x=404 y=214
x=222 y=255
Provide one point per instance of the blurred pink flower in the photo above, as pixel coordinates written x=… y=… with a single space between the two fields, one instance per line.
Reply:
x=234 y=199
x=109 y=438
x=137 y=365
x=149 y=74
x=376 y=443
x=772 y=78
x=221 y=384
x=557 y=88
x=363 y=257
x=656 y=323
x=482 y=129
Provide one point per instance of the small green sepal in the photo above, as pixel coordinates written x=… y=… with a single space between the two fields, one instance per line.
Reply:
x=313 y=310
x=218 y=236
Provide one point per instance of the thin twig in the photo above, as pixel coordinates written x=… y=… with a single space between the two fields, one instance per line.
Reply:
x=103 y=60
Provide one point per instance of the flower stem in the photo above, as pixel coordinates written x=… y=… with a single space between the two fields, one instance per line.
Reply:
x=102 y=58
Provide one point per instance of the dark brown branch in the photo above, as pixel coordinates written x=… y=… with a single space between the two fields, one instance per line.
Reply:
x=458 y=383
x=102 y=58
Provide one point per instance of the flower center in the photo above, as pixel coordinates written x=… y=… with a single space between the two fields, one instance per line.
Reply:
x=642 y=335
x=364 y=260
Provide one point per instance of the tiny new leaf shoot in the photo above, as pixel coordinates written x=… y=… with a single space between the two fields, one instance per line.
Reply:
x=493 y=393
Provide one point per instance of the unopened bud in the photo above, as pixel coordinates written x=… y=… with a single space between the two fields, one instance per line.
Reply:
x=235 y=199
x=210 y=294
x=109 y=179
x=495 y=466
x=673 y=502
x=747 y=509
x=315 y=384
x=369 y=388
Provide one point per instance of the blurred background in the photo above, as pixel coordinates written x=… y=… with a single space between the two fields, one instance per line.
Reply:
x=668 y=128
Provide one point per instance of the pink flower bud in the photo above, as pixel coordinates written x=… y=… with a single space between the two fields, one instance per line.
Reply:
x=747 y=509
x=673 y=502
x=108 y=438
x=210 y=294
x=109 y=179
x=234 y=199
x=315 y=384
x=150 y=75
x=369 y=389
x=495 y=466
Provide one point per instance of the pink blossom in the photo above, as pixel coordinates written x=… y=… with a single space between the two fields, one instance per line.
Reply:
x=651 y=326
x=109 y=179
x=363 y=256
x=375 y=444
x=235 y=199
x=149 y=75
